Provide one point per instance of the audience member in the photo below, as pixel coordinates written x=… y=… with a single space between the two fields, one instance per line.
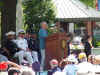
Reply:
x=24 y=50
x=54 y=67
x=63 y=63
x=84 y=67
x=5 y=65
x=70 y=68
x=34 y=46
x=10 y=46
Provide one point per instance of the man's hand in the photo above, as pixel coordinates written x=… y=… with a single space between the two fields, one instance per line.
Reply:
x=7 y=51
x=14 y=64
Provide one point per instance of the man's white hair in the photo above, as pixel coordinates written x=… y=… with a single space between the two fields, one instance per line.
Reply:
x=44 y=22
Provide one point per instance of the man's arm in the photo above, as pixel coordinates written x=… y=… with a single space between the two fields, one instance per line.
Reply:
x=4 y=47
x=13 y=64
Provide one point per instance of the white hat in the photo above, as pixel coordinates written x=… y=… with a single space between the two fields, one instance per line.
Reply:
x=21 y=31
x=10 y=33
x=72 y=59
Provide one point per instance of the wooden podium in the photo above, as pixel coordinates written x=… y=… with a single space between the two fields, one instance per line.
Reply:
x=55 y=47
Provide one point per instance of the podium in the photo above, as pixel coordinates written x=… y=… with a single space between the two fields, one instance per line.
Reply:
x=55 y=48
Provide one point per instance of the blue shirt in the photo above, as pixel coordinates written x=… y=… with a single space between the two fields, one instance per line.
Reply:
x=42 y=36
x=70 y=69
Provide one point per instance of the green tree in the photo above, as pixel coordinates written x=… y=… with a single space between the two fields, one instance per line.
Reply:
x=88 y=2
x=36 y=11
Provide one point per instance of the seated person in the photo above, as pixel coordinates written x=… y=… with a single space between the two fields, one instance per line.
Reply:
x=34 y=47
x=63 y=63
x=84 y=67
x=5 y=64
x=9 y=46
x=54 y=67
x=24 y=50
x=70 y=68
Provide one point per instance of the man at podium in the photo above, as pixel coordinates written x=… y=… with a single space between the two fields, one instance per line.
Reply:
x=42 y=37
x=58 y=27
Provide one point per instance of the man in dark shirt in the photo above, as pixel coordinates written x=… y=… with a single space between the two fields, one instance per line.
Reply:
x=9 y=45
x=68 y=43
x=27 y=37
x=87 y=45
x=34 y=46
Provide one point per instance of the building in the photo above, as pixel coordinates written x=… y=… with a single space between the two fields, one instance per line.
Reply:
x=74 y=11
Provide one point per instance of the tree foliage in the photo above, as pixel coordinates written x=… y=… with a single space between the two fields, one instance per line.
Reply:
x=88 y=2
x=36 y=11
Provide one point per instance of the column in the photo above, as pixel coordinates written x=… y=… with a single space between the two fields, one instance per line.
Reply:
x=71 y=27
x=89 y=28
x=19 y=15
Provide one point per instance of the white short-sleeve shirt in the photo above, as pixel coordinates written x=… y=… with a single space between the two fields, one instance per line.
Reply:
x=22 y=43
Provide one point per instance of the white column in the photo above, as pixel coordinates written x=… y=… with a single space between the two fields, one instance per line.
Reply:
x=19 y=15
x=71 y=27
